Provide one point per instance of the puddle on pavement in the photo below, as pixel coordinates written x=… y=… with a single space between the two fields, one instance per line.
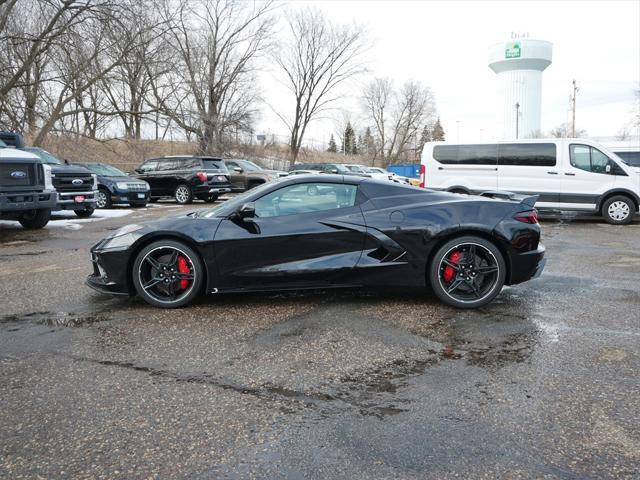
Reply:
x=55 y=319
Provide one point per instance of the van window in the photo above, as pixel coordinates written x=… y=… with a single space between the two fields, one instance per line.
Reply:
x=588 y=158
x=631 y=158
x=466 y=154
x=527 y=154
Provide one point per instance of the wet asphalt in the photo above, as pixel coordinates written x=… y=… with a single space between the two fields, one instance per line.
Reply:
x=543 y=383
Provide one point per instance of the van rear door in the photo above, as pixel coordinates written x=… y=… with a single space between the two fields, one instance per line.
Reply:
x=531 y=168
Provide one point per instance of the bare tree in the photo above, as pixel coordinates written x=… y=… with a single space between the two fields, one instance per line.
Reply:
x=564 y=131
x=398 y=116
x=317 y=57
x=215 y=45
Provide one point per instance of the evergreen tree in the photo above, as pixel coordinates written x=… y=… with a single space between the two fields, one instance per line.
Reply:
x=425 y=137
x=348 y=140
x=437 y=134
x=333 y=148
x=368 y=146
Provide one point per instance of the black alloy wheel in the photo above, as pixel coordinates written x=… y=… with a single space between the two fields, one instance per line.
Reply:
x=103 y=198
x=168 y=274
x=467 y=272
x=85 y=213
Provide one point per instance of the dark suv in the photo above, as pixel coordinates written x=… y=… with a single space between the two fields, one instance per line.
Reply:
x=185 y=177
x=116 y=187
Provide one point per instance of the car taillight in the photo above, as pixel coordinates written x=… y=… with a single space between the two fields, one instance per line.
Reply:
x=423 y=176
x=202 y=176
x=527 y=217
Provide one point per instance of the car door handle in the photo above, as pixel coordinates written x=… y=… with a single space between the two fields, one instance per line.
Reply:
x=571 y=174
x=552 y=173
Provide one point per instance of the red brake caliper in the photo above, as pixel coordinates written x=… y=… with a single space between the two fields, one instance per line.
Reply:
x=449 y=272
x=183 y=267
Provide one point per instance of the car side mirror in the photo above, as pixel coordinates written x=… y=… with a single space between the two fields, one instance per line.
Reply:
x=608 y=168
x=238 y=169
x=247 y=210
x=334 y=170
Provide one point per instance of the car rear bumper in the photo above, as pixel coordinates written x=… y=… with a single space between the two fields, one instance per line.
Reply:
x=212 y=188
x=527 y=265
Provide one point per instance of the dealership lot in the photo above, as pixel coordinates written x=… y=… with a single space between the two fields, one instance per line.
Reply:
x=324 y=384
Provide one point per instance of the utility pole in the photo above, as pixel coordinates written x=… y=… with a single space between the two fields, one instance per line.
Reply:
x=517 y=119
x=573 y=110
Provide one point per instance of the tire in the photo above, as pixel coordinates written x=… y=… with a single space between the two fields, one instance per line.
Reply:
x=209 y=198
x=86 y=213
x=618 y=210
x=147 y=269
x=471 y=288
x=183 y=194
x=35 y=219
x=103 y=198
x=138 y=205
x=153 y=199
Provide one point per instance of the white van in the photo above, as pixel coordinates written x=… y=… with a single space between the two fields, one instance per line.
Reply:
x=568 y=173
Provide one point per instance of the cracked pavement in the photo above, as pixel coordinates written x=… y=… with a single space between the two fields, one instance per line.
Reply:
x=543 y=383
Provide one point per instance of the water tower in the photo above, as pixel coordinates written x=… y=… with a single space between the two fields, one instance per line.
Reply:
x=519 y=64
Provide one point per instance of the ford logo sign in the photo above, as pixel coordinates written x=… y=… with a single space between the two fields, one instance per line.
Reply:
x=18 y=174
x=77 y=181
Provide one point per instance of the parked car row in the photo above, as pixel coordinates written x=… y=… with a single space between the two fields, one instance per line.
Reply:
x=347 y=169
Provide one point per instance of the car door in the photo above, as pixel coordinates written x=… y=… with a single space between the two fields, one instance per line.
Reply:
x=147 y=172
x=166 y=176
x=585 y=177
x=531 y=168
x=303 y=235
x=236 y=178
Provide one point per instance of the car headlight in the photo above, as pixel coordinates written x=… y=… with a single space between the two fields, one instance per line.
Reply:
x=146 y=186
x=122 y=186
x=124 y=237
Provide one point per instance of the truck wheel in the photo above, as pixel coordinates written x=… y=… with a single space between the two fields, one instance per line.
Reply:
x=35 y=219
x=183 y=194
x=103 y=198
x=467 y=272
x=86 y=213
x=618 y=210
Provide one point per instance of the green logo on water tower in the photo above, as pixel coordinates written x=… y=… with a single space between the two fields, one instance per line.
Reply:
x=512 y=50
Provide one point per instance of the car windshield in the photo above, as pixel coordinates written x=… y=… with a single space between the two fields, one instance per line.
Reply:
x=45 y=156
x=2 y=144
x=105 y=170
x=356 y=168
x=341 y=168
x=230 y=206
x=249 y=166
x=375 y=170
x=630 y=158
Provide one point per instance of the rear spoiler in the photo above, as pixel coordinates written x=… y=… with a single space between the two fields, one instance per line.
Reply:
x=529 y=200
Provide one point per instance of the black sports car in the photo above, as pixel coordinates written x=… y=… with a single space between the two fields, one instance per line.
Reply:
x=311 y=231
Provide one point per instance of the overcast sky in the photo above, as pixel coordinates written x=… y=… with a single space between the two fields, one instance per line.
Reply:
x=445 y=45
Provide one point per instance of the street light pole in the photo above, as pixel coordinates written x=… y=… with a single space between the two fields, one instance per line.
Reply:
x=517 y=119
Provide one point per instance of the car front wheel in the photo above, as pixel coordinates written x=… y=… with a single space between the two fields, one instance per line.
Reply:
x=103 y=198
x=85 y=213
x=168 y=274
x=618 y=210
x=467 y=272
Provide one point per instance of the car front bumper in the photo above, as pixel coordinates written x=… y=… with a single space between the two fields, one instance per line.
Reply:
x=110 y=269
x=118 y=197
x=527 y=265
x=76 y=200
x=22 y=201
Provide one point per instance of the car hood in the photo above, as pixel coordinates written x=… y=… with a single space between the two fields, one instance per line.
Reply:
x=69 y=169
x=120 y=178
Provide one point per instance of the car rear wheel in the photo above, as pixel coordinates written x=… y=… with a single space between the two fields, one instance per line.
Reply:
x=467 y=272
x=35 y=219
x=208 y=198
x=183 y=194
x=85 y=213
x=168 y=274
x=103 y=198
x=618 y=210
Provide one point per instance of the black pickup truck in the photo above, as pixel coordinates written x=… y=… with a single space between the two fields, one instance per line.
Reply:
x=26 y=190
x=76 y=186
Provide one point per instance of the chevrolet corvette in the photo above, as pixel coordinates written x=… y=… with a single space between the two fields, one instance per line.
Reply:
x=322 y=231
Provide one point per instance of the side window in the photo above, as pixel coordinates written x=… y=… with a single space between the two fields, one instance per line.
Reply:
x=305 y=198
x=527 y=154
x=588 y=158
x=149 y=166
x=231 y=165
x=466 y=154
x=167 y=164
x=191 y=163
